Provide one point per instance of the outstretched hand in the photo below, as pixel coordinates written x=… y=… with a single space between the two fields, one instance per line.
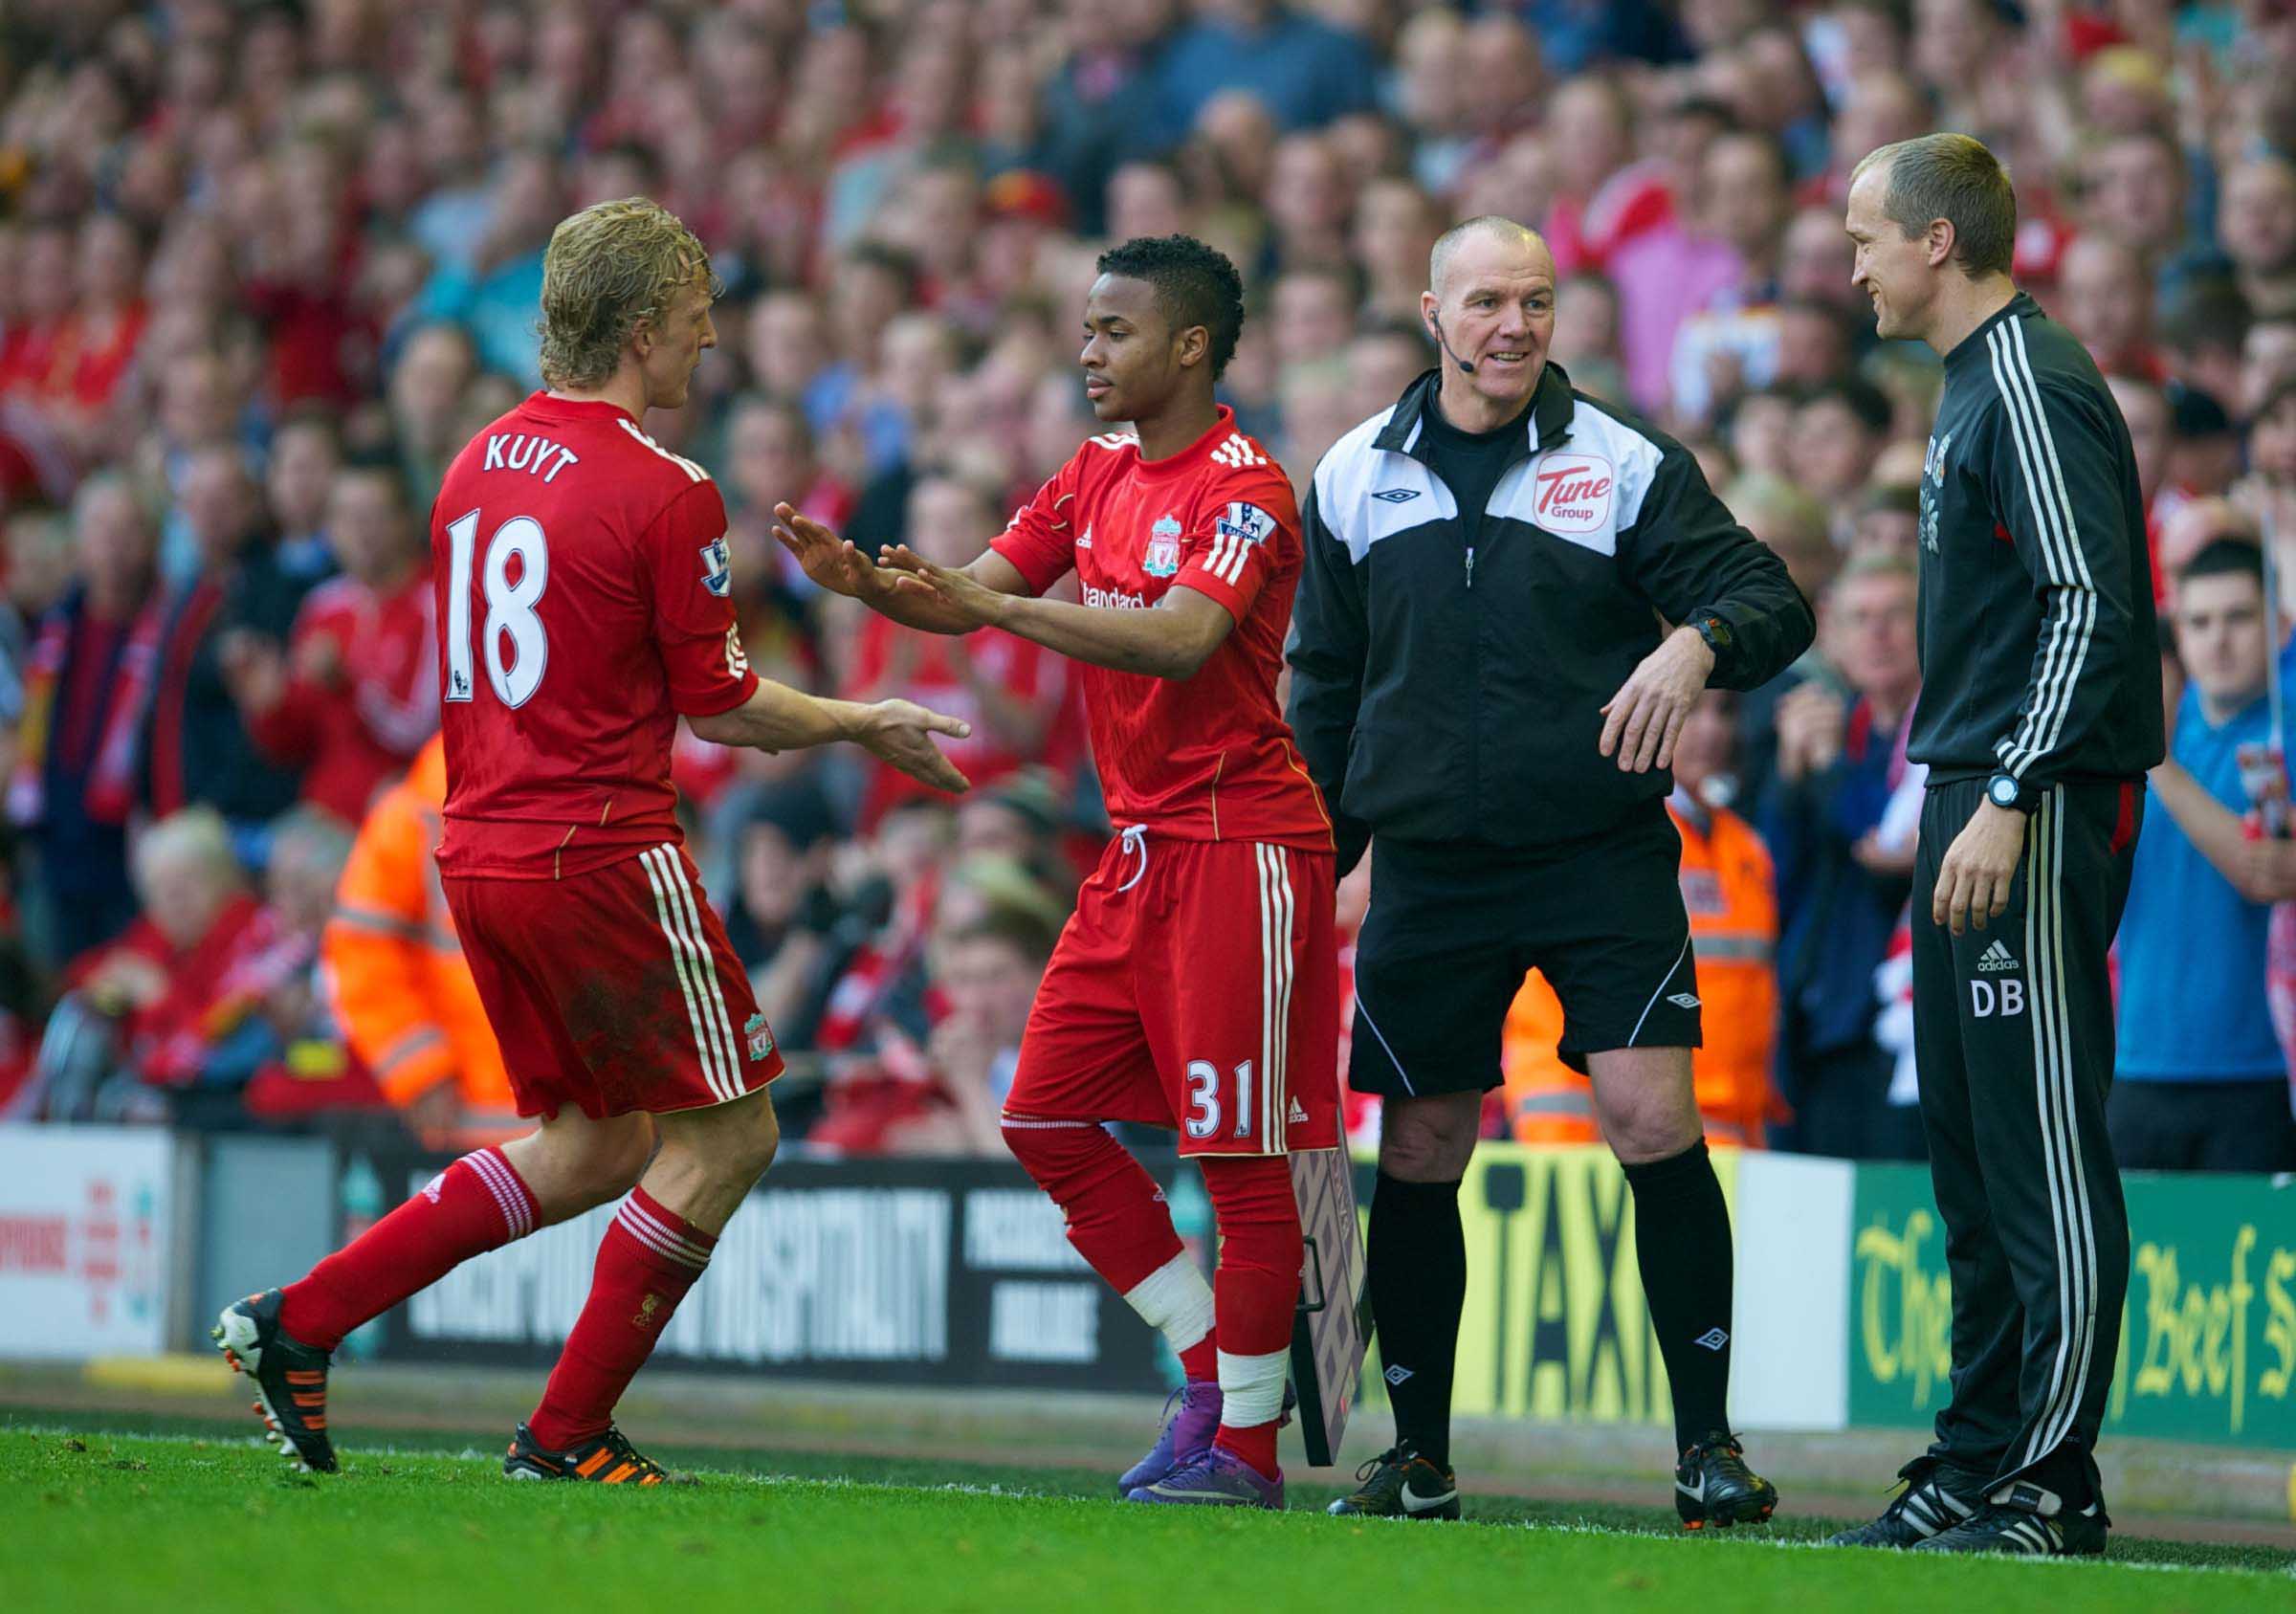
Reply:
x=899 y=732
x=960 y=591
x=833 y=563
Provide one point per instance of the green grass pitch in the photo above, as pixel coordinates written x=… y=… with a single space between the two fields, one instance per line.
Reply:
x=194 y=1519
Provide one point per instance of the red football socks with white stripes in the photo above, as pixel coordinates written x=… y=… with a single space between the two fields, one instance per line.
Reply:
x=649 y=1258
x=477 y=1205
x=1257 y=1290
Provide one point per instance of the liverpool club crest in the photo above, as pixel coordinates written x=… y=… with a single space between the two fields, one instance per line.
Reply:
x=1163 y=549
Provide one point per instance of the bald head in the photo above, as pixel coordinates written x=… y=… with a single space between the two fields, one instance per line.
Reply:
x=1490 y=308
x=1512 y=242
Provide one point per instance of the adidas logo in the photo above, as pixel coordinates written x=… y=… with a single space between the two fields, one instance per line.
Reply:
x=1396 y=1375
x=1085 y=541
x=1396 y=496
x=1996 y=957
x=1714 y=1340
x=1299 y=1115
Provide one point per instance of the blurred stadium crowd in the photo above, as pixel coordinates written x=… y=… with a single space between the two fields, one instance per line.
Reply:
x=265 y=267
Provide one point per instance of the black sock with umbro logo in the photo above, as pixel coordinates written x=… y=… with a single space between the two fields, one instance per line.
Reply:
x=1418 y=1282
x=1682 y=1246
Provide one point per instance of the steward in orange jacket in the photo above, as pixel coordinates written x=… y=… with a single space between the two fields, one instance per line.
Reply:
x=1731 y=895
x=402 y=988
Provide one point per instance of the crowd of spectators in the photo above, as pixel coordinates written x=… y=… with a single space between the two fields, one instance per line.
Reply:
x=265 y=266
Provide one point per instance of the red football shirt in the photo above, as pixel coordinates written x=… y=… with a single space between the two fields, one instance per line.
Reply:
x=583 y=604
x=1207 y=758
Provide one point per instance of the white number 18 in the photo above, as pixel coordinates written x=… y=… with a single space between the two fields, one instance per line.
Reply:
x=517 y=648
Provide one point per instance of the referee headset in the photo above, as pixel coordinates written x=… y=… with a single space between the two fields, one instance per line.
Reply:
x=1466 y=367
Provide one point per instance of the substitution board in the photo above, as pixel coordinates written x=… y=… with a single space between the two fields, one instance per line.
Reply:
x=1332 y=1326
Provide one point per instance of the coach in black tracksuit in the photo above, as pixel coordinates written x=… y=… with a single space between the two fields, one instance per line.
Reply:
x=1482 y=681
x=2040 y=713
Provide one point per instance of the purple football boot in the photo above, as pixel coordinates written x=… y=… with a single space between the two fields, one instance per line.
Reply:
x=1186 y=1435
x=1217 y=1479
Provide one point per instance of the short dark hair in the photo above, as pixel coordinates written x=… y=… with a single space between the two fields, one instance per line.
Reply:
x=1868 y=403
x=2211 y=313
x=2225 y=557
x=1954 y=178
x=1027 y=932
x=1195 y=285
x=1781 y=160
x=880 y=254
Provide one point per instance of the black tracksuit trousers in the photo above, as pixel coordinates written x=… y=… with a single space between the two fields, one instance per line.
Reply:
x=2014 y=1042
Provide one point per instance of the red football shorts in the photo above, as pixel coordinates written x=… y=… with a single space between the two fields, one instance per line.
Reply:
x=1196 y=986
x=614 y=991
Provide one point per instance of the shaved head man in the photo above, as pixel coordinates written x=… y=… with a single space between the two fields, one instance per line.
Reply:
x=1490 y=304
x=1482 y=687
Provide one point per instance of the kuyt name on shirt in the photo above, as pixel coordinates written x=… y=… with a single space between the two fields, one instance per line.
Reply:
x=513 y=451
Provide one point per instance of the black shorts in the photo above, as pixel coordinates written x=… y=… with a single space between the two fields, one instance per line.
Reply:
x=1453 y=930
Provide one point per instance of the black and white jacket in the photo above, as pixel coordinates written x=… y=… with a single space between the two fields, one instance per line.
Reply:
x=1437 y=701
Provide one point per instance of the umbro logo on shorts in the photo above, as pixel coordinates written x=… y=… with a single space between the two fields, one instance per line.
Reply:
x=1684 y=999
x=1714 y=1340
x=1396 y=496
x=1396 y=1375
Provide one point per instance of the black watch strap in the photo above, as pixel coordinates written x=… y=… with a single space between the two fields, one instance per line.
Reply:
x=2007 y=790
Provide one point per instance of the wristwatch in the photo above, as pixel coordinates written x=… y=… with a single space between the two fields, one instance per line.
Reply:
x=1714 y=630
x=2004 y=790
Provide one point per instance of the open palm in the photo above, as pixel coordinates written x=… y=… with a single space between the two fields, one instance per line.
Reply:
x=831 y=562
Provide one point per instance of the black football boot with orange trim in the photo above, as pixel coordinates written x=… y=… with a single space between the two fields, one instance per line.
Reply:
x=607 y=1459
x=290 y=1379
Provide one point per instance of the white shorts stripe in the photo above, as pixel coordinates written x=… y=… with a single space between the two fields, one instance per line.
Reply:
x=1385 y=1047
x=683 y=952
x=1279 y=1084
x=704 y=1048
x=1655 y=991
x=1277 y=970
x=1267 y=981
x=705 y=966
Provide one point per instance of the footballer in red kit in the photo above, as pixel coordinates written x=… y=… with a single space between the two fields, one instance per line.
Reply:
x=582 y=609
x=1196 y=986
